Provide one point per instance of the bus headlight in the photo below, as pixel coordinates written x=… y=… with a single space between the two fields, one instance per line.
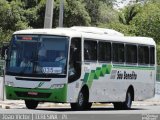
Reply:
x=57 y=86
x=9 y=83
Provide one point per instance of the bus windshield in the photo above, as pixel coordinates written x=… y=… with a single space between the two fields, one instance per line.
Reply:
x=37 y=55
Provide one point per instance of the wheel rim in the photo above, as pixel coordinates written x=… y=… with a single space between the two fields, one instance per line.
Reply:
x=81 y=99
x=129 y=100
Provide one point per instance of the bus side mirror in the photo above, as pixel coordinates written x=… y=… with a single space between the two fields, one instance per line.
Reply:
x=4 y=52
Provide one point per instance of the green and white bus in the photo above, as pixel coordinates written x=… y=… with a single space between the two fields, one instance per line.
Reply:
x=98 y=65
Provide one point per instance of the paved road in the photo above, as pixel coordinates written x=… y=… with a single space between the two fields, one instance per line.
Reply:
x=94 y=110
x=96 y=113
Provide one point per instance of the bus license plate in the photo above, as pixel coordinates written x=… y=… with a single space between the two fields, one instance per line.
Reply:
x=32 y=93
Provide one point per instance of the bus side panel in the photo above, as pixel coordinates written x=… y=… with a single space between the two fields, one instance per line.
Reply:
x=111 y=84
x=73 y=91
x=145 y=87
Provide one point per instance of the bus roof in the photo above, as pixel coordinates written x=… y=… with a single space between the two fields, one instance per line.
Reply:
x=91 y=33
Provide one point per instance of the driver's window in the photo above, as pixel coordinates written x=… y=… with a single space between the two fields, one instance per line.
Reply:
x=75 y=60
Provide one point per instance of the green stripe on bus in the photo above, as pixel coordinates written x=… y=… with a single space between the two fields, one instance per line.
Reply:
x=95 y=74
x=134 y=67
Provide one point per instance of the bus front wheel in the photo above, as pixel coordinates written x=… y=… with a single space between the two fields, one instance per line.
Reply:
x=31 y=104
x=82 y=102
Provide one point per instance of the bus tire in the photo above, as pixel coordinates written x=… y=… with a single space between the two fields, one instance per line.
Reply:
x=128 y=101
x=31 y=104
x=118 y=105
x=82 y=102
x=126 y=104
x=88 y=106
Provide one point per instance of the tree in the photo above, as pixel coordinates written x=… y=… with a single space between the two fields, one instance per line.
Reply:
x=107 y=14
x=128 y=13
x=75 y=14
x=35 y=14
x=147 y=21
x=100 y=10
x=12 y=16
x=110 y=2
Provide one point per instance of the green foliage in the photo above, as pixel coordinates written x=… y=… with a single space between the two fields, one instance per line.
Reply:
x=148 y=23
x=128 y=13
x=11 y=15
x=107 y=14
x=75 y=14
x=109 y=2
x=35 y=14
x=11 y=18
x=100 y=11
x=92 y=7
x=5 y=36
x=22 y=14
x=125 y=29
x=158 y=54
x=140 y=20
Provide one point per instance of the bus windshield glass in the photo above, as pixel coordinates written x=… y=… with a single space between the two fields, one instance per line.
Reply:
x=38 y=55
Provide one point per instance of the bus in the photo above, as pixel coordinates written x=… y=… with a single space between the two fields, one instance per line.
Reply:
x=80 y=66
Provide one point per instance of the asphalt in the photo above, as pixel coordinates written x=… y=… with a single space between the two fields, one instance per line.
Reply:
x=9 y=104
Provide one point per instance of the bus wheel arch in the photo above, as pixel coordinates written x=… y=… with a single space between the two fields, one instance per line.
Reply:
x=82 y=100
x=129 y=98
x=86 y=91
x=85 y=88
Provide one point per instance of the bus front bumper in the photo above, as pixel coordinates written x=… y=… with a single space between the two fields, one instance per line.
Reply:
x=38 y=94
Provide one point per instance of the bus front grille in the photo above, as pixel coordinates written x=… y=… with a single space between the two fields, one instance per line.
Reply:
x=38 y=95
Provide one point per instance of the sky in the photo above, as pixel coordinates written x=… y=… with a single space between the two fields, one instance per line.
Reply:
x=122 y=3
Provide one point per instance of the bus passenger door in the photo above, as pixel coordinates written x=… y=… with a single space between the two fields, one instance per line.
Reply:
x=75 y=60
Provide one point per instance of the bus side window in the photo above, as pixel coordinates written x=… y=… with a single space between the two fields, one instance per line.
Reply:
x=143 y=55
x=86 y=54
x=104 y=51
x=75 y=60
x=118 y=52
x=152 y=55
x=131 y=54
x=90 y=50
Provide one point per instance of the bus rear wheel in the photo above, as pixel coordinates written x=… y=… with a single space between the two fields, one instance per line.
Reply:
x=126 y=104
x=118 y=105
x=88 y=106
x=82 y=102
x=31 y=104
